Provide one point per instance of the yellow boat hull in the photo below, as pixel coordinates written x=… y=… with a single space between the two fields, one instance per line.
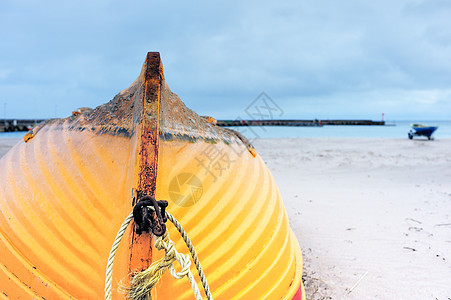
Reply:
x=65 y=192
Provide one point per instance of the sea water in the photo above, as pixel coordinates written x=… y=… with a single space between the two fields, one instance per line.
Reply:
x=11 y=135
x=393 y=129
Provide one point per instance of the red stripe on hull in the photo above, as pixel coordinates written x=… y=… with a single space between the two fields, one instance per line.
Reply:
x=298 y=295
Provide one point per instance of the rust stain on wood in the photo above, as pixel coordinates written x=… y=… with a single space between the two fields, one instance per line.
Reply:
x=148 y=140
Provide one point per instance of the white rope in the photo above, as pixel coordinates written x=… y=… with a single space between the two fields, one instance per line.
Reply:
x=193 y=254
x=165 y=243
x=109 y=266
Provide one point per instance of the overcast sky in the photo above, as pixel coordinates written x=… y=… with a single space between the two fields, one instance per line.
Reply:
x=315 y=59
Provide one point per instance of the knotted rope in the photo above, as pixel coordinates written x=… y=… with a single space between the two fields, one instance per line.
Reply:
x=143 y=282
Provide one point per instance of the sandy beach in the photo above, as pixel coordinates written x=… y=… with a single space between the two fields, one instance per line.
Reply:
x=373 y=216
x=371 y=212
x=6 y=144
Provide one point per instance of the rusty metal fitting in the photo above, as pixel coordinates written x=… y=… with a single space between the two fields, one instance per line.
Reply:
x=147 y=220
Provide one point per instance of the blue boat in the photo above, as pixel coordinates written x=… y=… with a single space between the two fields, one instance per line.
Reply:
x=422 y=130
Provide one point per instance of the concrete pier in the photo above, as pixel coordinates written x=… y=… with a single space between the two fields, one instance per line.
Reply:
x=18 y=124
x=296 y=122
x=26 y=124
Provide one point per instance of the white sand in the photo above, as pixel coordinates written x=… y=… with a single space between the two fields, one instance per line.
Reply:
x=6 y=144
x=373 y=208
x=380 y=207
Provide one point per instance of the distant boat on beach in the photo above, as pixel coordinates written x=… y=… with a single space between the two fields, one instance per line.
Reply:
x=422 y=130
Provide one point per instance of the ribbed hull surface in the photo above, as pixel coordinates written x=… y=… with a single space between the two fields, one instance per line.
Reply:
x=65 y=192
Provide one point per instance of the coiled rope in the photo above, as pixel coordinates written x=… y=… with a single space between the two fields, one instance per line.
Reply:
x=143 y=282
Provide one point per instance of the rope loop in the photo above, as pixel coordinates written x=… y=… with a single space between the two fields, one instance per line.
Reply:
x=164 y=243
x=143 y=282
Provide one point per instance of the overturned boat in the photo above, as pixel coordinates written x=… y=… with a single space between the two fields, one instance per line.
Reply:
x=66 y=189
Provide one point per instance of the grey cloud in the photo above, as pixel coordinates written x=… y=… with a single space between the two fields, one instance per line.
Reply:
x=312 y=56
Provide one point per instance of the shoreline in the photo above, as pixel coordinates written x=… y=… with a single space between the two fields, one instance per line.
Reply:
x=7 y=143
